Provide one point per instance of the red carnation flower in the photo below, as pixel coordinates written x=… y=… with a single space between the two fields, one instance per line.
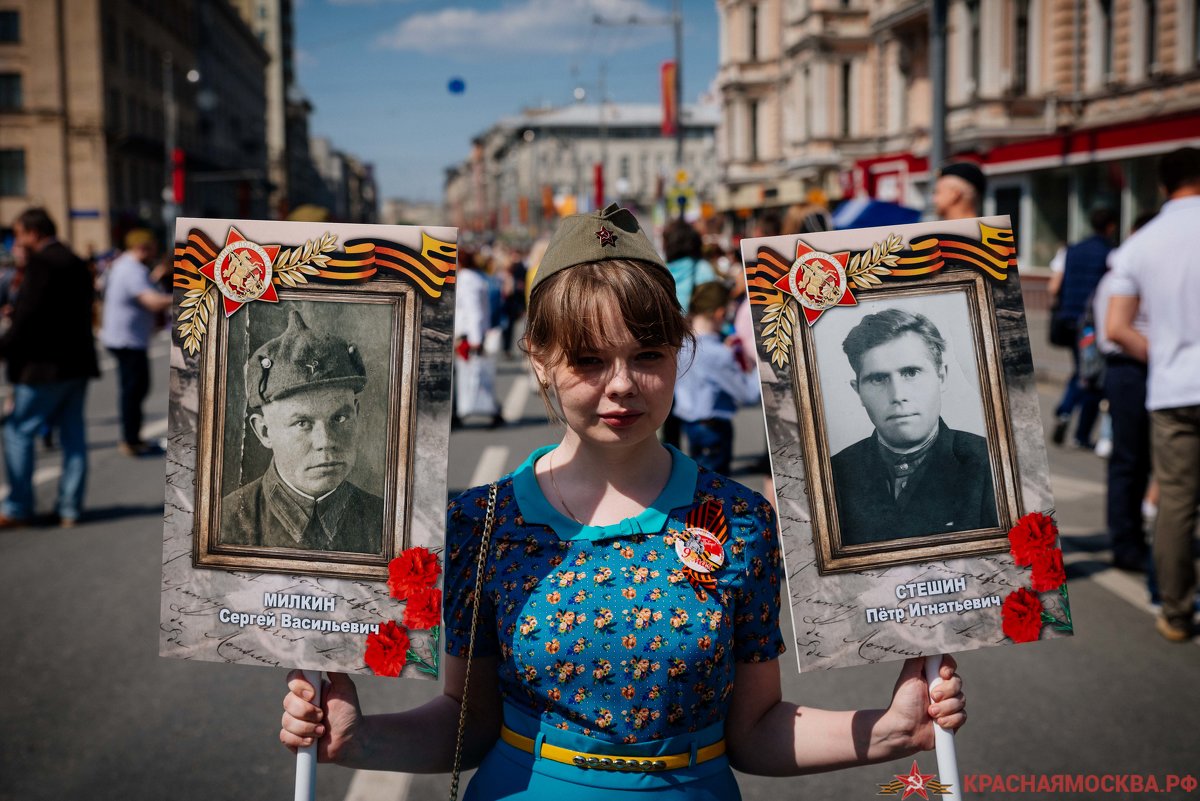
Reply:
x=424 y=609
x=1048 y=572
x=1033 y=533
x=387 y=651
x=1022 y=616
x=415 y=569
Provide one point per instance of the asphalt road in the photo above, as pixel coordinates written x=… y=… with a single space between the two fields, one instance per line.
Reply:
x=90 y=711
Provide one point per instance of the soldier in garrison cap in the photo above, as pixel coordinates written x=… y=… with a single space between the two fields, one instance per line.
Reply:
x=302 y=389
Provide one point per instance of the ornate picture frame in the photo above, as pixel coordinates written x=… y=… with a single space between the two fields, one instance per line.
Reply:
x=396 y=366
x=835 y=556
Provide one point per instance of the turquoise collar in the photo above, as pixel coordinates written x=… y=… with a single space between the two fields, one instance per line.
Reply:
x=680 y=491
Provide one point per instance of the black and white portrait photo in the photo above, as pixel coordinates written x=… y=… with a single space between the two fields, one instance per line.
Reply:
x=909 y=453
x=308 y=405
x=299 y=473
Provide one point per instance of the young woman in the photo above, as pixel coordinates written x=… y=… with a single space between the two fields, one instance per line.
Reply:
x=628 y=623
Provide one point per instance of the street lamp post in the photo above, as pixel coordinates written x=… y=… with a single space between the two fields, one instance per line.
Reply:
x=675 y=20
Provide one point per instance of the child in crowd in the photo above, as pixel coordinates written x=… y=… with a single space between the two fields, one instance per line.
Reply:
x=715 y=377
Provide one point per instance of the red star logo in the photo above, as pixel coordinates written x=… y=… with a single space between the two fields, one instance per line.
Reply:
x=825 y=262
x=914 y=781
x=606 y=238
x=209 y=271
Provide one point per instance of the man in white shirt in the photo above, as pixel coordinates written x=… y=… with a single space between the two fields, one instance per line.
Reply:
x=1158 y=272
x=1129 y=460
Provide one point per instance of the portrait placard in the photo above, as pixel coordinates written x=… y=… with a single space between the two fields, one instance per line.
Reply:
x=310 y=374
x=905 y=439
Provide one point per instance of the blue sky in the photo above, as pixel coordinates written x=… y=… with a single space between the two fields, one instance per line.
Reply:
x=377 y=70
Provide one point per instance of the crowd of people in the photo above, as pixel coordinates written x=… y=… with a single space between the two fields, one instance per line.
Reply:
x=1128 y=316
x=48 y=296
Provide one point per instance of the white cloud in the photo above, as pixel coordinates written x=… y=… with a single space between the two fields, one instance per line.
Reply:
x=528 y=26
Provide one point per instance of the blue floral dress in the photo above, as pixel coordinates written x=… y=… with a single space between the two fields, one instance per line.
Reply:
x=607 y=634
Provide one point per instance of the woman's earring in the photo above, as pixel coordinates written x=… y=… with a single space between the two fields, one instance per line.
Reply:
x=545 y=384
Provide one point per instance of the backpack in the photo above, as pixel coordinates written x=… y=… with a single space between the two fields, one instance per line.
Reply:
x=1091 y=360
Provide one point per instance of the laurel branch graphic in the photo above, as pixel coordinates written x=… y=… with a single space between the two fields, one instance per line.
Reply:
x=865 y=268
x=294 y=264
x=196 y=308
x=778 y=323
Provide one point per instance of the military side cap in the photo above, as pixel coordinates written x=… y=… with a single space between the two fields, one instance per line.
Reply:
x=301 y=359
x=969 y=171
x=612 y=233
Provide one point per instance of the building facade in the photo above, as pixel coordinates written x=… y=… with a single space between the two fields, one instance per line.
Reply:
x=346 y=183
x=527 y=170
x=95 y=101
x=273 y=23
x=1066 y=103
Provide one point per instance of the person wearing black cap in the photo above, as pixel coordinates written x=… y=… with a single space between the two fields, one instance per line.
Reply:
x=627 y=644
x=303 y=403
x=959 y=191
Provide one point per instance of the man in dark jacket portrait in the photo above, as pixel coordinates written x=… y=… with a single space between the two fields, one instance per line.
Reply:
x=303 y=389
x=913 y=476
x=51 y=355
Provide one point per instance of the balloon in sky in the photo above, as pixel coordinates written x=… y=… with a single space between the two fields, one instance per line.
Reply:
x=457 y=86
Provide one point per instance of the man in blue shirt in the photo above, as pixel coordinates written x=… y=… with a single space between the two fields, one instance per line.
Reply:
x=131 y=301
x=1086 y=262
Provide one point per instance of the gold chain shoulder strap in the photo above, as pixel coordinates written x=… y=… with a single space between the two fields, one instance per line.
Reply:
x=480 y=561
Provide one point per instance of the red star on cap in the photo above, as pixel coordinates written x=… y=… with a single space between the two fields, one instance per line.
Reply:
x=209 y=271
x=914 y=781
x=606 y=238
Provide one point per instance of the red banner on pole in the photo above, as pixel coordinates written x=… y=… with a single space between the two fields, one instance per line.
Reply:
x=670 y=103
x=178 y=175
x=598 y=178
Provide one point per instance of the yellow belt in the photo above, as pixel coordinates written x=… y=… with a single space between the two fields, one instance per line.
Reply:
x=582 y=759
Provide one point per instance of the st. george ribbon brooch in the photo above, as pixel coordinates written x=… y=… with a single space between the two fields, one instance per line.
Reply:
x=701 y=545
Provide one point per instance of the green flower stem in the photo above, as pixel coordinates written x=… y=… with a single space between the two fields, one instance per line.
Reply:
x=1066 y=603
x=429 y=666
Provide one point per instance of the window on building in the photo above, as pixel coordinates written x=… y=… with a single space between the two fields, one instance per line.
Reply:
x=845 y=98
x=807 y=88
x=112 y=110
x=1020 y=73
x=973 y=59
x=154 y=58
x=10 y=91
x=1196 y=33
x=1151 y=30
x=753 y=33
x=623 y=171
x=752 y=111
x=1107 y=46
x=10 y=26
x=12 y=173
x=130 y=53
x=110 y=40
